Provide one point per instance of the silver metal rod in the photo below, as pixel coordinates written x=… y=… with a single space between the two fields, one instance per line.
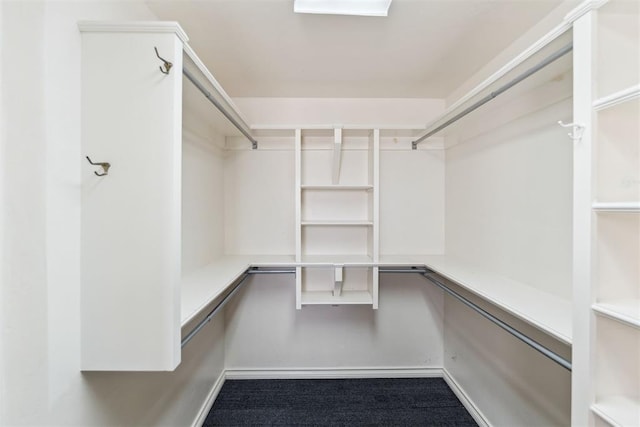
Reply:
x=522 y=337
x=402 y=270
x=213 y=312
x=548 y=60
x=219 y=106
x=279 y=271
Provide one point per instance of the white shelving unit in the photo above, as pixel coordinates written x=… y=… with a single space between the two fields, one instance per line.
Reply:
x=609 y=39
x=337 y=216
x=134 y=300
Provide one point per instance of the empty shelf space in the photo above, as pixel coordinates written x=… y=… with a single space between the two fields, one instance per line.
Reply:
x=337 y=222
x=617 y=207
x=617 y=98
x=327 y=297
x=618 y=411
x=337 y=187
x=625 y=311
x=547 y=312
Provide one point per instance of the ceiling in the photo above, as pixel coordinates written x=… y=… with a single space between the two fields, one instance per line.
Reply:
x=424 y=48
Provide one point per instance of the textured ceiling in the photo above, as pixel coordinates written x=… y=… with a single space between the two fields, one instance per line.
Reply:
x=424 y=48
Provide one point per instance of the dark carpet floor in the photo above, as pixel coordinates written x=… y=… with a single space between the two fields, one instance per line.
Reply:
x=344 y=402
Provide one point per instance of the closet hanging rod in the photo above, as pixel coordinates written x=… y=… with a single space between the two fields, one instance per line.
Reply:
x=548 y=60
x=519 y=335
x=205 y=92
x=236 y=288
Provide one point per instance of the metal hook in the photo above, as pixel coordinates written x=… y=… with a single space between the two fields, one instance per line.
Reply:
x=577 y=132
x=167 y=64
x=105 y=167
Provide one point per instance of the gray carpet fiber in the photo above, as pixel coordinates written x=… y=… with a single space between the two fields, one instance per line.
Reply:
x=343 y=402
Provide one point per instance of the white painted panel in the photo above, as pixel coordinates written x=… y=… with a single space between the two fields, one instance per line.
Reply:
x=317 y=167
x=412 y=202
x=508 y=201
x=512 y=384
x=131 y=218
x=259 y=202
x=618 y=43
x=265 y=331
x=202 y=202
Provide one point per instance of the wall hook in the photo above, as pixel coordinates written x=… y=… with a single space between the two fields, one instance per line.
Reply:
x=167 y=64
x=577 y=129
x=105 y=167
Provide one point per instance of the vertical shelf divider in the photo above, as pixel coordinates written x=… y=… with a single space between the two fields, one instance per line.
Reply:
x=337 y=155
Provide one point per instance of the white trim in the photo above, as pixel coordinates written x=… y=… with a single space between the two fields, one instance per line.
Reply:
x=466 y=401
x=617 y=98
x=133 y=27
x=208 y=403
x=332 y=373
x=584 y=8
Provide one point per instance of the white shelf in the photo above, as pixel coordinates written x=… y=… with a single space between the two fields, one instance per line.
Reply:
x=337 y=259
x=546 y=312
x=617 y=98
x=617 y=207
x=618 y=411
x=338 y=187
x=624 y=311
x=204 y=285
x=327 y=297
x=337 y=222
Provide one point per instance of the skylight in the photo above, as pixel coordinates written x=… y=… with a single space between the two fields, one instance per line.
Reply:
x=343 y=7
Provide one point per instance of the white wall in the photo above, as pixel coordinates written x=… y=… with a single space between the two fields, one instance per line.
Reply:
x=40 y=314
x=266 y=332
x=337 y=111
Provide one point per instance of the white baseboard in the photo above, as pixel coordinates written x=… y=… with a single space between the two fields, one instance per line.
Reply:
x=465 y=400
x=331 y=373
x=208 y=403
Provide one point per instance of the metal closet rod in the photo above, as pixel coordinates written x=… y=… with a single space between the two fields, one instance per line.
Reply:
x=426 y=273
x=205 y=92
x=228 y=297
x=548 y=60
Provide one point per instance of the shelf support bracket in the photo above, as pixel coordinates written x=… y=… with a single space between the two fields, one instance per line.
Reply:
x=338 y=279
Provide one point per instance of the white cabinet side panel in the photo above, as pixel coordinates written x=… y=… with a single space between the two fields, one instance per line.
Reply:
x=131 y=218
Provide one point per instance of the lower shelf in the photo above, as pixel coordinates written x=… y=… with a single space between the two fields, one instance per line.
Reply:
x=618 y=411
x=327 y=297
x=625 y=311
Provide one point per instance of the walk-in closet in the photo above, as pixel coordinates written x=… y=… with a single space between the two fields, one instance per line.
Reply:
x=200 y=193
